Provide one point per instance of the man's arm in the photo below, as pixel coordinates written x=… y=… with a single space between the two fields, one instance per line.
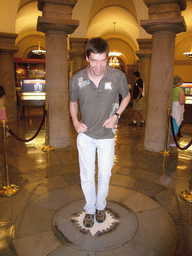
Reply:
x=124 y=103
x=110 y=122
x=79 y=127
x=140 y=92
x=181 y=97
x=140 y=84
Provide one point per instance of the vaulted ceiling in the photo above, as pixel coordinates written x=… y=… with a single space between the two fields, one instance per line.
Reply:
x=96 y=19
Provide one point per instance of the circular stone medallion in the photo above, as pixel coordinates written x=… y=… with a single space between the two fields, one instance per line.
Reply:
x=118 y=229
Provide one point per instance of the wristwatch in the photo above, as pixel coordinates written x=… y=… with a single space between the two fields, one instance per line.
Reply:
x=118 y=116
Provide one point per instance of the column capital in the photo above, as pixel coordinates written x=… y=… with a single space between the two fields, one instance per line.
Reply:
x=56 y=16
x=41 y=3
x=77 y=46
x=182 y=3
x=7 y=43
x=164 y=15
x=173 y=25
x=145 y=47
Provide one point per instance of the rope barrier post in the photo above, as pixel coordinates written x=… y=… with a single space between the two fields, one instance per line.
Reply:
x=166 y=152
x=7 y=190
x=187 y=194
x=47 y=148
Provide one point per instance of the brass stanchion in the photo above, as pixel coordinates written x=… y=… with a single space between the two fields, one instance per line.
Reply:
x=7 y=190
x=187 y=194
x=47 y=148
x=166 y=152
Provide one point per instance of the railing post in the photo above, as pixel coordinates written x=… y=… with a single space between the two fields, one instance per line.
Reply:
x=187 y=194
x=166 y=152
x=7 y=189
x=47 y=148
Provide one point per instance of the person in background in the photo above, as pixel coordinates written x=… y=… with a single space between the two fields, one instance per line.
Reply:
x=177 y=106
x=137 y=100
x=97 y=89
x=3 y=115
x=2 y=104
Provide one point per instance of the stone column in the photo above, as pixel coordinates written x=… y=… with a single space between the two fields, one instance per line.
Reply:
x=77 y=53
x=56 y=23
x=130 y=70
x=7 y=73
x=164 y=22
x=144 y=54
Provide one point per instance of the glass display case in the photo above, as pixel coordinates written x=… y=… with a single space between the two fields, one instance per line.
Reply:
x=187 y=88
x=32 y=93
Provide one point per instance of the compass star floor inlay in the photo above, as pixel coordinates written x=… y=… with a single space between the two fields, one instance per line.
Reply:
x=119 y=227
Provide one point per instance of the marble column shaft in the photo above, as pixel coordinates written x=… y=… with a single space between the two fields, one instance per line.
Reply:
x=144 y=54
x=160 y=90
x=163 y=23
x=77 y=53
x=56 y=23
x=7 y=73
x=57 y=89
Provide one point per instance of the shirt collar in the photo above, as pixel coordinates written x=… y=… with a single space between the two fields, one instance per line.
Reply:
x=105 y=75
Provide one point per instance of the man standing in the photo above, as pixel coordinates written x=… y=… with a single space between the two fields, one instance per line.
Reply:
x=137 y=99
x=97 y=89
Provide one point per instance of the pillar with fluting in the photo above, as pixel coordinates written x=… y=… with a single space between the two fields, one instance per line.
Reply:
x=77 y=53
x=7 y=73
x=56 y=23
x=144 y=54
x=164 y=22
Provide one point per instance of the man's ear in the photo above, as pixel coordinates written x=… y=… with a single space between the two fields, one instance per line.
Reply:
x=87 y=59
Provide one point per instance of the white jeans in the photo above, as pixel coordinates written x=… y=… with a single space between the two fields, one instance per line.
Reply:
x=87 y=147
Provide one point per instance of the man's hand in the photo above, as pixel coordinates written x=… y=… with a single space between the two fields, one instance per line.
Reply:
x=110 y=122
x=80 y=127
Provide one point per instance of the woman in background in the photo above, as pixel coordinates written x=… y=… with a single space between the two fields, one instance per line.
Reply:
x=177 y=106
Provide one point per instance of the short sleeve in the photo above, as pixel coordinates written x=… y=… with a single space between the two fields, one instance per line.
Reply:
x=73 y=89
x=140 y=83
x=124 y=88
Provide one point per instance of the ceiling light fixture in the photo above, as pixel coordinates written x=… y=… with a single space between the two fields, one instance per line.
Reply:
x=113 y=61
x=188 y=54
x=39 y=51
x=114 y=54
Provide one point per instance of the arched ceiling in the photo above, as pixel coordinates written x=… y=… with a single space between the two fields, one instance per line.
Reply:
x=8 y=11
x=27 y=17
x=96 y=19
x=122 y=36
x=97 y=6
x=102 y=24
x=187 y=14
x=100 y=20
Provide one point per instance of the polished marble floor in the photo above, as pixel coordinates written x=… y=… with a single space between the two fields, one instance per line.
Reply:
x=148 y=214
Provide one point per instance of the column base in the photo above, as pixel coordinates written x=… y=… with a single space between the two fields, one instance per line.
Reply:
x=186 y=195
x=9 y=190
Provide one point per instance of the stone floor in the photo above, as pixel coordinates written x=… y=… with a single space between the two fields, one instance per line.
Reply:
x=145 y=212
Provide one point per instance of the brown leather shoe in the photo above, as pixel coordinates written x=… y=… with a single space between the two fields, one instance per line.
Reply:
x=142 y=124
x=133 y=124
x=88 y=220
x=100 y=216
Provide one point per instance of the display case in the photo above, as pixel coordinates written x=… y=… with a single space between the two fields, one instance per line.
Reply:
x=27 y=69
x=187 y=88
x=32 y=93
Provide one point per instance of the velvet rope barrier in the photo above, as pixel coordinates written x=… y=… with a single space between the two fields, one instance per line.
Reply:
x=35 y=135
x=175 y=140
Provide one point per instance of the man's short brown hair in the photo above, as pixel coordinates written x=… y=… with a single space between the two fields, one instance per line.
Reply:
x=97 y=45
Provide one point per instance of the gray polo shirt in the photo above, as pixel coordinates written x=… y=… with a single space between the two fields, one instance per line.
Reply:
x=98 y=104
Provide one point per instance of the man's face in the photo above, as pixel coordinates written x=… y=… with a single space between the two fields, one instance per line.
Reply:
x=97 y=63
